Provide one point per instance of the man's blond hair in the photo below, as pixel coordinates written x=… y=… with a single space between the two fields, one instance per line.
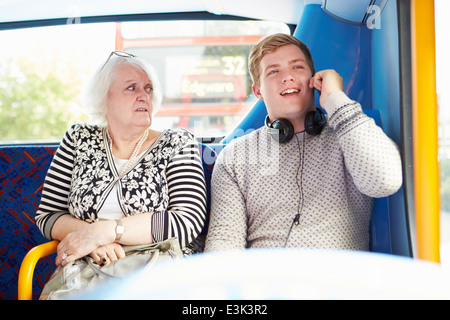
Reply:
x=269 y=45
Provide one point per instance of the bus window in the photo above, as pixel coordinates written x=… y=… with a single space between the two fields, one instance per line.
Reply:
x=42 y=73
x=202 y=66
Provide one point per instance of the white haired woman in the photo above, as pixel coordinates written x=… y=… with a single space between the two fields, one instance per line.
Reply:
x=119 y=182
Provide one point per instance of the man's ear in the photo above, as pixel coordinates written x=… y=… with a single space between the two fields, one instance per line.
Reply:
x=257 y=92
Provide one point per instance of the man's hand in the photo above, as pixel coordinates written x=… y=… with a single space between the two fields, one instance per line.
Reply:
x=327 y=82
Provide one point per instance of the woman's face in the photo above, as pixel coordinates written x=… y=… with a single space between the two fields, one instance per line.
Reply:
x=129 y=99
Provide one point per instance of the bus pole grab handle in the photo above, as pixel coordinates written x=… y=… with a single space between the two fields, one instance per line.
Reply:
x=425 y=132
x=25 y=285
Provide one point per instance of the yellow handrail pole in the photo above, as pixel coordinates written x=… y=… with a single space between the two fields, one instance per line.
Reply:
x=25 y=285
x=425 y=150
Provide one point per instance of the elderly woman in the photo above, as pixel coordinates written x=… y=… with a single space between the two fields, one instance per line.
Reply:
x=119 y=182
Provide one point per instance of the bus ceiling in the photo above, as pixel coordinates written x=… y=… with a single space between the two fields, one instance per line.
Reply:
x=23 y=14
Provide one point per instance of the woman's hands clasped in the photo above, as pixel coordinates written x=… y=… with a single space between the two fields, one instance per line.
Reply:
x=96 y=240
x=108 y=253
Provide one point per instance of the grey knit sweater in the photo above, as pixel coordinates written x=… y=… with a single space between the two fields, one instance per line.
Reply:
x=259 y=186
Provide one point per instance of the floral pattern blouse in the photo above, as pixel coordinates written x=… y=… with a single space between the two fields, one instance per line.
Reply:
x=166 y=180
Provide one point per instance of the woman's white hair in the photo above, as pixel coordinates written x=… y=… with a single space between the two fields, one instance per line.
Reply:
x=96 y=91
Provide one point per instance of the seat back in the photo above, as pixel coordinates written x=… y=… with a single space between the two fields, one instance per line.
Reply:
x=380 y=231
x=208 y=156
x=22 y=174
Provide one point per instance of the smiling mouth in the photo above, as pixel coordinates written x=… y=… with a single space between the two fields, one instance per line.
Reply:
x=289 y=91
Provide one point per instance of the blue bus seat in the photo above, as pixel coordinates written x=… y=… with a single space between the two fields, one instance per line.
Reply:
x=380 y=232
x=22 y=173
x=208 y=156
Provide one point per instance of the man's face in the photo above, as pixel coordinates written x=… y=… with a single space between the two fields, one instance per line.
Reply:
x=284 y=83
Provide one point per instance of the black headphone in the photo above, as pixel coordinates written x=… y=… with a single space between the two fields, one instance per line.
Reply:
x=282 y=130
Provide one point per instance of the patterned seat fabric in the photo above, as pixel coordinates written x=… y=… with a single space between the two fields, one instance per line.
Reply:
x=22 y=173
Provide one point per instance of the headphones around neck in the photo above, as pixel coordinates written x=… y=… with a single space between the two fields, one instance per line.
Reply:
x=282 y=130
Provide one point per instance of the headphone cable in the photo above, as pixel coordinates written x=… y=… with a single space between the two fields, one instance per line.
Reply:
x=301 y=153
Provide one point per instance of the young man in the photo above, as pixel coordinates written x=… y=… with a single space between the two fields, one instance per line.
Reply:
x=313 y=190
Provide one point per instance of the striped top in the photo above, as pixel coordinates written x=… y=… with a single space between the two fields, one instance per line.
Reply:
x=167 y=180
